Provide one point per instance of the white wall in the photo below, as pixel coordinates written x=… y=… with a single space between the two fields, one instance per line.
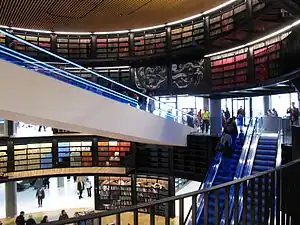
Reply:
x=30 y=97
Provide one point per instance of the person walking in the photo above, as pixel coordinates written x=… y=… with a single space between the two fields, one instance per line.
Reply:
x=30 y=221
x=80 y=188
x=20 y=220
x=40 y=194
x=63 y=215
x=88 y=186
x=205 y=118
x=294 y=114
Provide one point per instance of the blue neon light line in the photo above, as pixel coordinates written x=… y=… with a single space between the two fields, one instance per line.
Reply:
x=88 y=70
x=82 y=81
x=38 y=64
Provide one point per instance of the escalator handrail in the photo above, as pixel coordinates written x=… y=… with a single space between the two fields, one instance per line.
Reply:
x=209 y=179
x=246 y=172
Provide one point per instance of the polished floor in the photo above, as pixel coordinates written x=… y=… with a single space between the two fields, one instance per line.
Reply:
x=56 y=198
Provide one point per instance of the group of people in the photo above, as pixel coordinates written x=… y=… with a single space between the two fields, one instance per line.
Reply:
x=143 y=102
x=201 y=120
x=81 y=185
x=272 y=113
x=20 y=220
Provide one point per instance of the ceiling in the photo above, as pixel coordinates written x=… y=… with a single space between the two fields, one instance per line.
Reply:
x=97 y=15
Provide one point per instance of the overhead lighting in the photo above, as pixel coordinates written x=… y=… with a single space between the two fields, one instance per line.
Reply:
x=113 y=32
x=31 y=30
x=148 y=28
x=276 y=33
x=73 y=33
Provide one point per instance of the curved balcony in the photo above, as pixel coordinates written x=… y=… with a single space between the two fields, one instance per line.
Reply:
x=60 y=155
x=229 y=25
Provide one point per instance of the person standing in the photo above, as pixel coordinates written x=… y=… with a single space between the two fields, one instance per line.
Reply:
x=143 y=101
x=240 y=116
x=40 y=194
x=88 y=186
x=80 y=188
x=227 y=114
x=30 y=221
x=151 y=104
x=205 y=118
x=20 y=220
x=232 y=130
x=294 y=114
x=190 y=118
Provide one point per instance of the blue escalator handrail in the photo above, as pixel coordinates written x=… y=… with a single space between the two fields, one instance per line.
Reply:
x=62 y=73
x=207 y=182
x=248 y=163
x=88 y=70
x=241 y=164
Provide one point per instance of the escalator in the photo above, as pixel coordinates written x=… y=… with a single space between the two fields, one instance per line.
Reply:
x=222 y=177
x=237 y=164
x=265 y=159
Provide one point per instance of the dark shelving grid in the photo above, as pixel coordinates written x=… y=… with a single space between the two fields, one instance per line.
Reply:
x=230 y=69
x=149 y=43
x=114 y=192
x=187 y=35
x=40 y=39
x=266 y=57
x=75 y=153
x=225 y=22
x=110 y=153
x=32 y=156
x=74 y=46
x=112 y=46
x=3 y=158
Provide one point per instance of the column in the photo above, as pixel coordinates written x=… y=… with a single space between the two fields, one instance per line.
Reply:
x=10 y=187
x=216 y=117
x=205 y=103
x=60 y=182
x=11 y=199
x=267 y=104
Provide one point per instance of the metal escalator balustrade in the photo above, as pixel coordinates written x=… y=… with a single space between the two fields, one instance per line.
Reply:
x=219 y=176
x=59 y=68
x=281 y=184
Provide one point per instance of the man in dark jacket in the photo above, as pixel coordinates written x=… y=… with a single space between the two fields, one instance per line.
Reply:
x=30 y=221
x=20 y=220
x=40 y=194
x=80 y=188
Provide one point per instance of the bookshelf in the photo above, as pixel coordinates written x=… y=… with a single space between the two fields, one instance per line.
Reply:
x=76 y=153
x=150 y=43
x=229 y=70
x=32 y=156
x=2 y=39
x=114 y=192
x=187 y=35
x=3 y=159
x=150 y=189
x=110 y=153
x=267 y=55
x=41 y=40
x=112 y=46
x=73 y=46
x=225 y=22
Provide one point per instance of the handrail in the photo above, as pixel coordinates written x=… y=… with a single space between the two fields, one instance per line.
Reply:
x=84 y=69
x=218 y=158
x=173 y=198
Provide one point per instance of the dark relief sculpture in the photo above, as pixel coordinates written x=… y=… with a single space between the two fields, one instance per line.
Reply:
x=151 y=78
x=188 y=75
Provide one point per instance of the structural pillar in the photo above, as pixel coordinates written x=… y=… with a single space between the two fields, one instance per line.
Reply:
x=267 y=104
x=216 y=117
x=10 y=187
x=206 y=103
x=60 y=182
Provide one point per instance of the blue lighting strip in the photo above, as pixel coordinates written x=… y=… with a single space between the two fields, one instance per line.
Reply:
x=85 y=69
